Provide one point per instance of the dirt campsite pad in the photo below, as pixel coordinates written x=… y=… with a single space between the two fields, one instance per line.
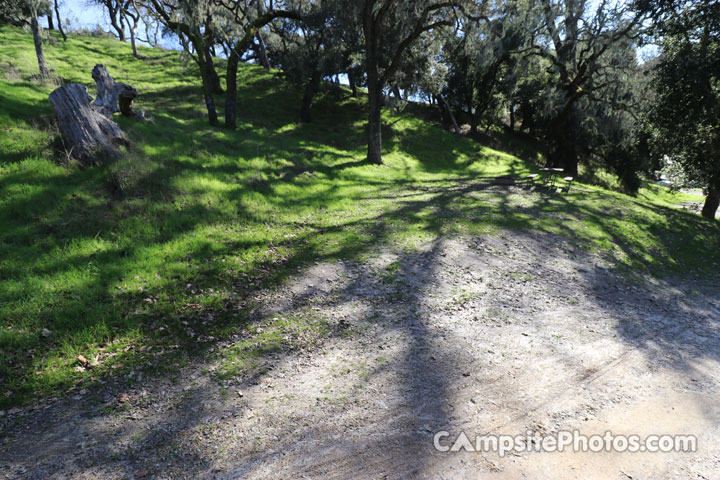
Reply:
x=503 y=335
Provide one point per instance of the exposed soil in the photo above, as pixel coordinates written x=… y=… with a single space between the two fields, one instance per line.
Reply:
x=493 y=334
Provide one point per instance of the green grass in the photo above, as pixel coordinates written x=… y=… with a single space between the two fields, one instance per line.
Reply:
x=278 y=335
x=153 y=257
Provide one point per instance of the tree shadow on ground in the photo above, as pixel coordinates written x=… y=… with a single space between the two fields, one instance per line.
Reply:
x=425 y=370
x=61 y=212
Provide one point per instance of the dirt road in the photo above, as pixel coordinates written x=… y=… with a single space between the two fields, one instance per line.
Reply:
x=503 y=334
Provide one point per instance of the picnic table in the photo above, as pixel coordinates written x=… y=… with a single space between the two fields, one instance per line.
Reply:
x=550 y=174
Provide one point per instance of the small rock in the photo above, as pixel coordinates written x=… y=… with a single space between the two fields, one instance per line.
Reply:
x=45 y=332
x=240 y=393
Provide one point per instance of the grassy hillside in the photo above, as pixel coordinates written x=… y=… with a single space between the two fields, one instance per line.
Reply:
x=155 y=255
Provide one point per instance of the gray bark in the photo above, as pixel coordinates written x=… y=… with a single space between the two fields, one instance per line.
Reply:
x=113 y=96
x=90 y=135
x=448 y=110
x=42 y=64
x=88 y=127
x=133 y=31
x=310 y=90
x=261 y=51
x=133 y=18
x=374 y=130
x=712 y=201
x=59 y=21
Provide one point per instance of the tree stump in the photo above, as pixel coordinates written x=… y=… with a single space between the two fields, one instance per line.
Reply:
x=112 y=93
x=88 y=128
x=89 y=134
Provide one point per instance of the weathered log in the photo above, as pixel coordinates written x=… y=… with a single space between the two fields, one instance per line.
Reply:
x=89 y=134
x=112 y=93
x=88 y=128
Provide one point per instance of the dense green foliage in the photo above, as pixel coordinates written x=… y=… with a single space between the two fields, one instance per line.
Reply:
x=686 y=113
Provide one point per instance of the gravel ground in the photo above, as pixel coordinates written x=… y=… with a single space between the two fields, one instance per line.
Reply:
x=504 y=334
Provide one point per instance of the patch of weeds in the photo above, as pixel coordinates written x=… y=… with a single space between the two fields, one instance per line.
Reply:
x=130 y=176
x=363 y=371
x=496 y=315
x=466 y=296
x=520 y=276
x=279 y=335
x=389 y=274
x=331 y=397
x=398 y=295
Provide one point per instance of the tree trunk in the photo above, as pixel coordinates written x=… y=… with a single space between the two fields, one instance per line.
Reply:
x=310 y=90
x=375 y=129
x=89 y=134
x=444 y=121
x=396 y=92
x=50 y=22
x=42 y=64
x=564 y=154
x=133 y=32
x=209 y=101
x=113 y=96
x=375 y=95
x=374 y=86
x=207 y=85
x=512 y=117
x=133 y=19
x=262 y=52
x=119 y=29
x=152 y=40
x=353 y=83
x=527 y=116
x=59 y=22
x=214 y=77
x=712 y=201
x=473 y=121
x=231 y=96
x=449 y=112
